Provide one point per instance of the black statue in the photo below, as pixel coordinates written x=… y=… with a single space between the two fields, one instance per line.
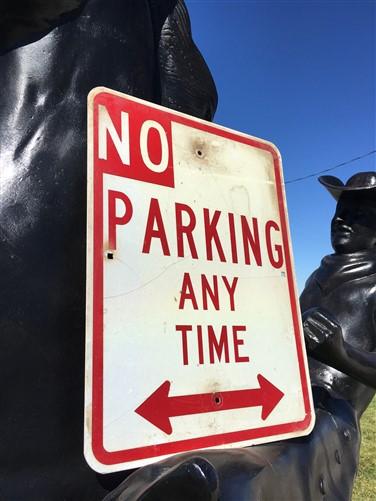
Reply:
x=339 y=311
x=52 y=54
x=339 y=300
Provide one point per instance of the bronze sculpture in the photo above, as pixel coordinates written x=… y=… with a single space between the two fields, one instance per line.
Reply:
x=51 y=57
x=338 y=342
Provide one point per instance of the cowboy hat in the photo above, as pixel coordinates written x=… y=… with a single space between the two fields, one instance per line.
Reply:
x=357 y=182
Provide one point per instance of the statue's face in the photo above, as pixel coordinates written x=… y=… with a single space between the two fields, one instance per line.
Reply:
x=354 y=224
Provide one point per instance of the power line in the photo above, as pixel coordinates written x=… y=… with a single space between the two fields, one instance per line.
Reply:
x=314 y=174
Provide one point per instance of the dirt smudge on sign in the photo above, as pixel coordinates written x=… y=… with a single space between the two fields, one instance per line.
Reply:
x=88 y=414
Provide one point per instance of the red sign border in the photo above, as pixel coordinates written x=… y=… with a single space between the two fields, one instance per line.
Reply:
x=104 y=456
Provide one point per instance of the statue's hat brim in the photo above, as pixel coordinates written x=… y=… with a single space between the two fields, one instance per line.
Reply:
x=358 y=182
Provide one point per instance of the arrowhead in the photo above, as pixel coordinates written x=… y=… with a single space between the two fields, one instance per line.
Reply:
x=155 y=408
x=270 y=396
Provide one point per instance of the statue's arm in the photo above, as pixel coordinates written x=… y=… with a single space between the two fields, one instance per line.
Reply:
x=325 y=343
x=361 y=364
x=24 y=21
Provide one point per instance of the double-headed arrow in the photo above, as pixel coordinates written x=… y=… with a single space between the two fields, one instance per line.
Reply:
x=160 y=407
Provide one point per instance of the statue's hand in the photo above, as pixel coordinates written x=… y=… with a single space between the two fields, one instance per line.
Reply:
x=323 y=336
x=180 y=478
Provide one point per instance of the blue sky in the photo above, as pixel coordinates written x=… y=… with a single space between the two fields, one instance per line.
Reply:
x=302 y=75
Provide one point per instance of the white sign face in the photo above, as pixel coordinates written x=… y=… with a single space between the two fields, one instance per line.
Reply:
x=193 y=326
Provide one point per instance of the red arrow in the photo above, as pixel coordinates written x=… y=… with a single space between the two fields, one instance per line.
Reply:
x=160 y=407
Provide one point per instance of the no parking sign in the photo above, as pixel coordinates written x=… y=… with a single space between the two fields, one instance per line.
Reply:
x=193 y=327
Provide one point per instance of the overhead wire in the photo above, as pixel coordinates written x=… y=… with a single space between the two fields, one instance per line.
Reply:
x=314 y=174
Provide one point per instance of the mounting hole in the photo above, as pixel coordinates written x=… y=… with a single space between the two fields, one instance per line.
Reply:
x=110 y=255
x=199 y=153
x=217 y=399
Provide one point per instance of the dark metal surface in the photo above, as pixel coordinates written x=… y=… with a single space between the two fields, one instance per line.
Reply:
x=140 y=47
x=52 y=56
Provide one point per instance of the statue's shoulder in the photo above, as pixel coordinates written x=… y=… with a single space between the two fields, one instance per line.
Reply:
x=26 y=22
x=312 y=280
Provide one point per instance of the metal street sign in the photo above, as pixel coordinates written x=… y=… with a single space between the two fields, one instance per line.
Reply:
x=193 y=328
